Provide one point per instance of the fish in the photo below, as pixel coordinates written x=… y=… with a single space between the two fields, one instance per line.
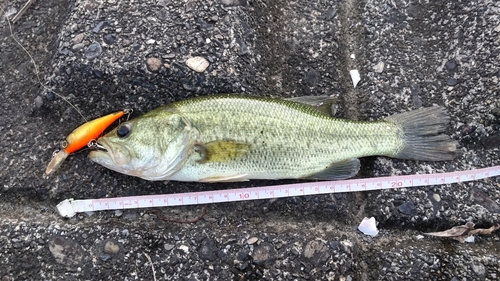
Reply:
x=230 y=138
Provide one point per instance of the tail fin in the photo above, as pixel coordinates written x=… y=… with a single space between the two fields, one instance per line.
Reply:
x=423 y=134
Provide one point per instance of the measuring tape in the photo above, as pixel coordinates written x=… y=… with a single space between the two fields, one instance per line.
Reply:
x=70 y=207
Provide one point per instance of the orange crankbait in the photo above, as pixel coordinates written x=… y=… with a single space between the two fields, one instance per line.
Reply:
x=82 y=136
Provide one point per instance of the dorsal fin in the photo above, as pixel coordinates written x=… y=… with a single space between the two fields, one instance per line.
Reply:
x=323 y=104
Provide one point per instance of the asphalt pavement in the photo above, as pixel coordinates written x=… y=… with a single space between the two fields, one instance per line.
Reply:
x=97 y=57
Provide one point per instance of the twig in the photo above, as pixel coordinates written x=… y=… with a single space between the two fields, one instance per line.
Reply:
x=160 y=216
x=152 y=266
x=36 y=66
x=23 y=9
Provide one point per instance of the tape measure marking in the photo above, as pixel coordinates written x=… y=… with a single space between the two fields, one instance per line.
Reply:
x=69 y=207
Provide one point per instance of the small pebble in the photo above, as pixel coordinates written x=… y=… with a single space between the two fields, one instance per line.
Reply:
x=198 y=64
x=93 y=51
x=78 y=38
x=168 y=247
x=78 y=47
x=111 y=247
x=154 y=64
x=118 y=213
x=252 y=240
x=150 y=42
x=436 y=197
x=64 y=51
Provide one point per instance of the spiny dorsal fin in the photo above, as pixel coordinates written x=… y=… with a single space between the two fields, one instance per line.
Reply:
x=338 y=171
x=222 y=150
x=323 y=104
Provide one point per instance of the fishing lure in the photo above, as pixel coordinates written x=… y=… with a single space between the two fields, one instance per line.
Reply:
x=83 y=136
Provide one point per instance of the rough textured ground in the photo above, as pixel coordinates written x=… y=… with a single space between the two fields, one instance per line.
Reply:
x=95 y=54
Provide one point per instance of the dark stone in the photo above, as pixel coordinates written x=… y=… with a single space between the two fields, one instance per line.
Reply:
x=496 y=111
x=242 y=255
x=65 y=251
x=408 y=208
x=206 y=250
x=100 y=26
x=451 y=82
x=109 y=39
x=295 y=200
x=451 y=65
x=243 y=47
x=97 y=73
x=492 y=141
x=330 y=14
x=316 y=252
x=104 y=257
x=312 y=77
x=481 y=198
x=233 y=3
x=263 y=253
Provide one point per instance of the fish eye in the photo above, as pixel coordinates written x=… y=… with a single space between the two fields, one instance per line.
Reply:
x=123 y=131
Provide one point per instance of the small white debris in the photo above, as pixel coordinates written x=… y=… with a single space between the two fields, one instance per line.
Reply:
x=497 y=29
x=379 y=67
x=184 y=248
x=469 y=239
x=353 y=56
x=419 y=237
x=150 y=42
x=355 y=77
x=198 y=64
x=368 y=226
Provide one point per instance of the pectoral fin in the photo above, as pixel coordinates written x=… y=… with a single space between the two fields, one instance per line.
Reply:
x=222 y=151
x=236 y=178
x=338 y=171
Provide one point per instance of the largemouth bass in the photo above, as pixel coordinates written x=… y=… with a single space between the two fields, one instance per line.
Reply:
x=237 y=138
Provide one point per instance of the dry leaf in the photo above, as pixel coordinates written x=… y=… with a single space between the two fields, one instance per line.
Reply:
x=463 y=231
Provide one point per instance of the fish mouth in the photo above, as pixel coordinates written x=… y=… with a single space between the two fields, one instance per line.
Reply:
x=101 y=151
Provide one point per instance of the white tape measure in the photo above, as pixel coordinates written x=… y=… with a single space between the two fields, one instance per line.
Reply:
x=70 y=207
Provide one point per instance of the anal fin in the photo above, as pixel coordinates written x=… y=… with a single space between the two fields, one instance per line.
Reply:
x=338 y=171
